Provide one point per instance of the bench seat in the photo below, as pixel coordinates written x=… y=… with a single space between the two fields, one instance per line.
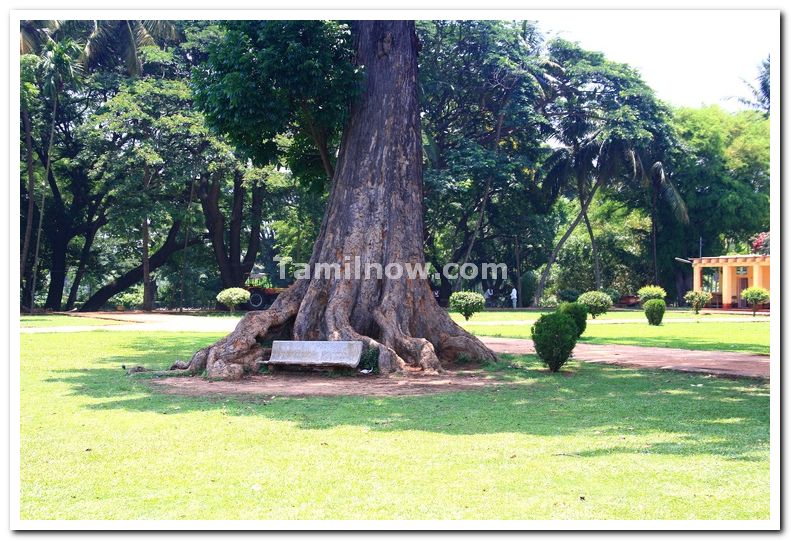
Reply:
x=315 y=353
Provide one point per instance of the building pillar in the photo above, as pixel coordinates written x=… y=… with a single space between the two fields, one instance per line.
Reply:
x=697 y=278
x=758 y=276
x=726 y=284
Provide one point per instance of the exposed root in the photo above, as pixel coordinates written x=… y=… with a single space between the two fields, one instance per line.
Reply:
x=317 y=314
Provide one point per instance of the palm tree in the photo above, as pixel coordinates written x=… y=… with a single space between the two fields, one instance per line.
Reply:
x=58 y=67
x=586 y=167
x=760 y=90
x=111 y=41
x=661 y=187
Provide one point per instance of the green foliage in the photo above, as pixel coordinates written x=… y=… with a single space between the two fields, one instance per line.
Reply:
x=697 y=299
x=647 y=293
x=568 y=295
x=467 y=303
x=598 y=302
x=579 y=312
x=755 y=296
x=554 y=337
x=266 y=78
x=131 y=298
x=654 y=311
x=233 y=297
x=369 y=360
x=614 y=294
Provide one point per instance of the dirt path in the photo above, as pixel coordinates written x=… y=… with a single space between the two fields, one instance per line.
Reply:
x=720 y=363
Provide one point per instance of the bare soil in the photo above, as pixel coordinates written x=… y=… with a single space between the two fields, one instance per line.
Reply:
x=294 y=384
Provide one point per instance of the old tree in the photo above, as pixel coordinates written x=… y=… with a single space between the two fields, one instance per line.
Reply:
x=374 y=212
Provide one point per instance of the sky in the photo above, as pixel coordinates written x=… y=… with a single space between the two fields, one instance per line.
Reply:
x=690 y=58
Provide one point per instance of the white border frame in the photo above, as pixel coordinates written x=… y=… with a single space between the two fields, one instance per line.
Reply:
x=11 y=267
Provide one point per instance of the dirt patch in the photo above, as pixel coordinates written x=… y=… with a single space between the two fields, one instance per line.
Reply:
x=299 y=385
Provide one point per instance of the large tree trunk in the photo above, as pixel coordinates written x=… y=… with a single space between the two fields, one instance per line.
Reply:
x=374 y=212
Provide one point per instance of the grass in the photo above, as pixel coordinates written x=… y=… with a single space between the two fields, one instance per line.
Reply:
x=62 y=321
x=637 y=315
x=97 y=444
x=708 y=336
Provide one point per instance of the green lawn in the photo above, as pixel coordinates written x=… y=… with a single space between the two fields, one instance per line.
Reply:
x=62 y=321
x=710 y=336
x=637 y=315
x=97 y=444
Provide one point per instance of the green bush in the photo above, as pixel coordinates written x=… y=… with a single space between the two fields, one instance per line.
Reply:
x=233 y=297
x=467 y=303
x=697 y=299
x=647 y=293
x=614 y=294
x=755 y=296
x=578 y=312
x=654 y=311
x=131 y=298
x=568 y=295
x=369 y=360
x=548 y=301
x=597 y=302
x=554 y=337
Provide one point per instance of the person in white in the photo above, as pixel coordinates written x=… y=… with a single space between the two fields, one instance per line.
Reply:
x=513 y=296
x=487 y=295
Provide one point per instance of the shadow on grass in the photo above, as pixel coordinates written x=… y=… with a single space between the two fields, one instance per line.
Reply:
x=604 y=405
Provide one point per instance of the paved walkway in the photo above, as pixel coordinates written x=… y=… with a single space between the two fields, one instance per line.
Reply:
x=720 y=363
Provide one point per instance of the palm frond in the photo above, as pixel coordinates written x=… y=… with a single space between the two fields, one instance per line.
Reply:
x=667 y=190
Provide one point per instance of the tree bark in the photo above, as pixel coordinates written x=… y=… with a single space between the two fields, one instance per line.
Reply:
x=374 y=213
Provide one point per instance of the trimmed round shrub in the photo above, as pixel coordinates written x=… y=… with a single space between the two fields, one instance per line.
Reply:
x=697 y=299
x=755 y=296
x=467 y=303
x=568 y=295
x=647 y=293
x=654 y=311
x=578 y=312
x=233 y=297
x=554 y=337
x=598 y=302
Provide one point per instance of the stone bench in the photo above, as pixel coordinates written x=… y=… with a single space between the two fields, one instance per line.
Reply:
x=331 y=353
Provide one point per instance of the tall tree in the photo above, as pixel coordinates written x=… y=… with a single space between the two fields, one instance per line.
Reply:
x=59 y=68
x=606 y=124
x=374 y=213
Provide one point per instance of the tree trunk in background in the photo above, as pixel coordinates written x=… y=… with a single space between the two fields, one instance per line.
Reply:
x=542 y=283
x=233 y=268
x=43 y=201
x=31 y=188
x=135 y=275
x=374 y=212
x=594 y=251
x=148 y=301
x=654 y=203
